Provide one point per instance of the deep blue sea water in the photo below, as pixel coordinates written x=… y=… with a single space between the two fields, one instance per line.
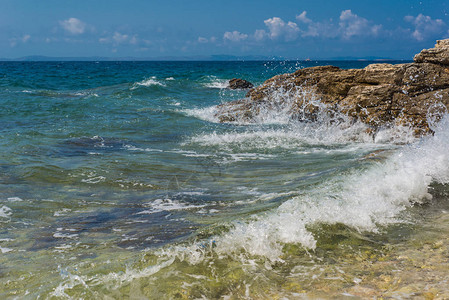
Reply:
x=116 y=180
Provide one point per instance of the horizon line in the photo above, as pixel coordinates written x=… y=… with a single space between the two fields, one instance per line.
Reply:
x=43 y=58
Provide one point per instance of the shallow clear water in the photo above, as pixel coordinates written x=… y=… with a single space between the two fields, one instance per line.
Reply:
x=117 y=181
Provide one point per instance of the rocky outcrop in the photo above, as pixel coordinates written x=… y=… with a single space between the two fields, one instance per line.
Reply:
x=437 y=55
x=379 y=95
x=237 y=84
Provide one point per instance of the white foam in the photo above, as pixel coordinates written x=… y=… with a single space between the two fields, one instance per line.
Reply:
x=237 y=157
x=5 y=212
x=62 y=212
x=94 y=179
x=114 y=279
x=134 y=148
x=290 y=137
x=147 y=82
x=5 y=250
x=85 y=94
x=61 y=235
x=206 y=114
x=63 y=247
x=159 y=205
x=297 y=135
x=216 y=83
x=15 y=199
x=198 y=193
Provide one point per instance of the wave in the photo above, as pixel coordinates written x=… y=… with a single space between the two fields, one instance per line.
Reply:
x=292 y=109
x=364 y=200
x=216 y=83
x=297 y=135
x=147 y=83
x=206 y=114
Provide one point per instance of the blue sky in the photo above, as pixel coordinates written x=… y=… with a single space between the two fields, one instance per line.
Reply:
x=292 y=29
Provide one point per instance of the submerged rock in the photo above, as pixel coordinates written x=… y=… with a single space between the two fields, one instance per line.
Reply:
x=380 y=95
x=237 y=83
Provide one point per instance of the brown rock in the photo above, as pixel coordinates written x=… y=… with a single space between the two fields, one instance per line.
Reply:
x=237 y=83
x=437 y=55
x=380 y=95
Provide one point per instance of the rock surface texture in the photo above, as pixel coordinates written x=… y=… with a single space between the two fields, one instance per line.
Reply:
x=380 y=95
x=237 y=83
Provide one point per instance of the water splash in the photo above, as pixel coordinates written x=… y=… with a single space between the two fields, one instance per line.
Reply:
x=363 y=199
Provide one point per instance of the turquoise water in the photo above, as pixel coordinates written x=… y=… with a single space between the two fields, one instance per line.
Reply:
x=118 y=181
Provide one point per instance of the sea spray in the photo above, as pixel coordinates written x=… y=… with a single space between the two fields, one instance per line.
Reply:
x=362 y=199
x=304 y=115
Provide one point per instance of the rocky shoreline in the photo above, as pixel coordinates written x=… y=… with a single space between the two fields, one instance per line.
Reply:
x=380 y=95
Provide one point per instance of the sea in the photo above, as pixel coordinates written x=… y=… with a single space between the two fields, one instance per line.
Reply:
x=117 y=181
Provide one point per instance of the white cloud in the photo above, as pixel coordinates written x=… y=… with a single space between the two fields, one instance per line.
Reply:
x=14 y=41
x=25 y=38
x=212 y=39
x=425 y=26
x=315 y=29
x=119 y=38
x=303 y=18
x=278 y=28
x=260 y=34
x=349 y=25
x=133 y=40
x=73 y=26
x=235 y=36
x=352 y=25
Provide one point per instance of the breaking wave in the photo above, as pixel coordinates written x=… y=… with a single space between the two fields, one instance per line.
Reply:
x=216 y=83
x=289 y=114
x=147 y=83
x=363 y=199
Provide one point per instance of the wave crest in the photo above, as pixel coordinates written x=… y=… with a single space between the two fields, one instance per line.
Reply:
x=147 y=83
